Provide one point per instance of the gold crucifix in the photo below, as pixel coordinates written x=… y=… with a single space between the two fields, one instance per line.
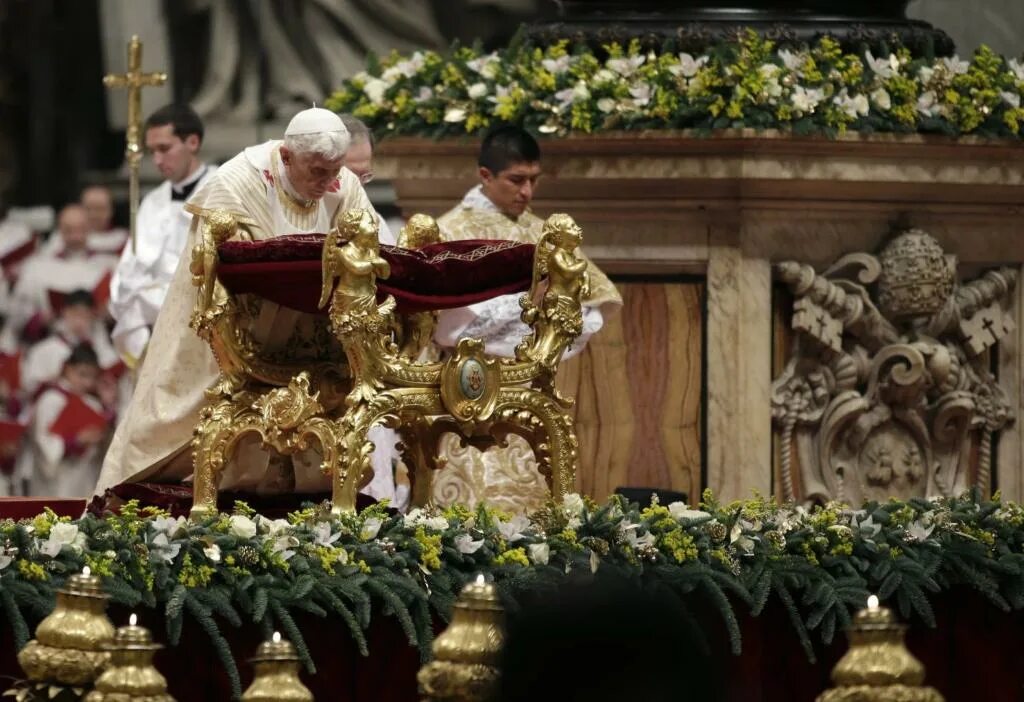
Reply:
x=134 y=80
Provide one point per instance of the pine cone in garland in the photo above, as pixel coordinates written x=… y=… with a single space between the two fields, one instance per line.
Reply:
x=248 y=555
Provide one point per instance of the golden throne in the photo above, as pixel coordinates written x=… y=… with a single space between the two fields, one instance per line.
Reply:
x=363 y=368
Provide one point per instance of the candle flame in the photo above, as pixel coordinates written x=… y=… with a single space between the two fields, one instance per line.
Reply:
x=133 y=620
x=873 y=602
x=87 y=571
x=480 y=579
x=277 y=637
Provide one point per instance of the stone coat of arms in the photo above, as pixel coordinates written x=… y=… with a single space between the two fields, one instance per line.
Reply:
x=888 y=389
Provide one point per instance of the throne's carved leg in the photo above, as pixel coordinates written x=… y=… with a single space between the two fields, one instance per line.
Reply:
x=220 y=427
x=554 y=442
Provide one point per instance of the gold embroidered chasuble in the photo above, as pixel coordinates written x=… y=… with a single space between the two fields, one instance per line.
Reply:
x=151 y=441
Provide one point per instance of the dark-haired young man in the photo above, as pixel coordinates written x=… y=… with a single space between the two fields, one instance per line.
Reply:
x=173 y=136
x=499 y=208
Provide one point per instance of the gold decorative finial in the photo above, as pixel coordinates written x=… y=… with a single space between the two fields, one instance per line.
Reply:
x=277 y=674
x=69 y=644
x=878 y=667
x=134 y=81
x=465 y=665
x=131 y=676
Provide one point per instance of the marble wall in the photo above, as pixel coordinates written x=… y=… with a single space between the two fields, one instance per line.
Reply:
x=997 y=23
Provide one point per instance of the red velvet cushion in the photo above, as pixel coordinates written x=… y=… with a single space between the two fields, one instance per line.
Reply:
x=286 y=270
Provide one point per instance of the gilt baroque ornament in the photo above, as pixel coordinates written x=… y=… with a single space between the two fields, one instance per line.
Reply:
x=888 y=390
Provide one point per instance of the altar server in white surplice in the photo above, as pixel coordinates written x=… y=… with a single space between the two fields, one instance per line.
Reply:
x=77 y=324
x=284 y=187
x=67 y=429
x=71 y=265
x=173 y=135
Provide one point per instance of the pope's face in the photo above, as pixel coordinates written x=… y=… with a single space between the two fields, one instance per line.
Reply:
x=311 y=175
x=173 y=156
x=511 y=189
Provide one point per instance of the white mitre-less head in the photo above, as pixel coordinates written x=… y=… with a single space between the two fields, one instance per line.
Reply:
x=318 y=131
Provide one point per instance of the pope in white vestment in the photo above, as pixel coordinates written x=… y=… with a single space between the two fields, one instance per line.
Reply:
x=273 y=198
x=143 y=276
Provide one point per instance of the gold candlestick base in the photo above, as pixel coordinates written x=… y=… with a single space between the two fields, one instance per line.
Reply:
x=131 y=676
x=878 y=667
x=277 y=674
x=465 y=665
x=68 y=648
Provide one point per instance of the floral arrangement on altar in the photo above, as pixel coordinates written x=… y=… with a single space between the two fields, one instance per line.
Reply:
x=820 y=563
x=749 y=83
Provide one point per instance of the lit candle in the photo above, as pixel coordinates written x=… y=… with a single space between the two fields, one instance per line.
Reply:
x=873 y=602
x=87 y=571
x=277 y=637
x=133 y=619
x=480 y=580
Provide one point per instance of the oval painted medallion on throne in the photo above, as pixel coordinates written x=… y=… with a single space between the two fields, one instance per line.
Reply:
x=472 y=381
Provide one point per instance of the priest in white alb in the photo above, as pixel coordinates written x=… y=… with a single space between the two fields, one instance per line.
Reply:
x=173 y=136
x=276 y=188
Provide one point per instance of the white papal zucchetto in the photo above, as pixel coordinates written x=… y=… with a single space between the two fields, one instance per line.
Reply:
x=315 y=120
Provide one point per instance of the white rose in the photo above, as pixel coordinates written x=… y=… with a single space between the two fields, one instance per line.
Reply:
x=242 y=527
x=477 y=90
x=540 y=553
x=882 y=98
x=572 y=503
x=63 y=534
x=606 y=104
x=680 y=510
x=580 y=91
x=604 y=76
x=212 y=552
x=512 y=530
x=455 y=114
x=375 y=89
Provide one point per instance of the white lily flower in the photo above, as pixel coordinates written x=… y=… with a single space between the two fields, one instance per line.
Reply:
x=322 y=535
x=627 y=65
x=635 y=541
x=595 y=561
x=955 y=65
x=1017 y=68
x=793 y=61
x=168 y=525
x=573 y=504
x=242 y=527
x=371 y=527
x=465 y=544
x=540 y=553
x=807 y=99
x=513 y=529
x=856 y=106
x=687 y=66
x=163 y=550
x=557 y=66
x=739 y=539
x=487 y=66
x=565 y=98
x=5 y=560
x=917 y=531
x=425 y=93
x=1011 y=99
x=477 y=90
x=63 y=534
x=604 y=76
x=212 y=552
x=283 y=545
x=883 y=67
x=868 y=526
x=641 y=94
x=928 y=104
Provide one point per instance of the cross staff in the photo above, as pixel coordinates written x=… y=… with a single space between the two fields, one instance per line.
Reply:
x=134 y=80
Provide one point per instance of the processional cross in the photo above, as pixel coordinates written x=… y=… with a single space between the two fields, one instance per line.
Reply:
x=134 y=81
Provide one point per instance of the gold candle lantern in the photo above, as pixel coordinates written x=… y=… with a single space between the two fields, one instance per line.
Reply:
x=131 y=676
x=465 y=665
x=69 y=644
x=277 y=674
x=878 y=667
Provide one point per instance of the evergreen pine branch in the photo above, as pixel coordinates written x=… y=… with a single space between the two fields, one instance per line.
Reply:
x=220 y=645
x=14 y=617
x=342 y=610
x=284 y=618
x=396 y=606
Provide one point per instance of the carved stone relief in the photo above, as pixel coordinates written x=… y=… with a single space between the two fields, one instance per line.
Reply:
x=887 y=391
